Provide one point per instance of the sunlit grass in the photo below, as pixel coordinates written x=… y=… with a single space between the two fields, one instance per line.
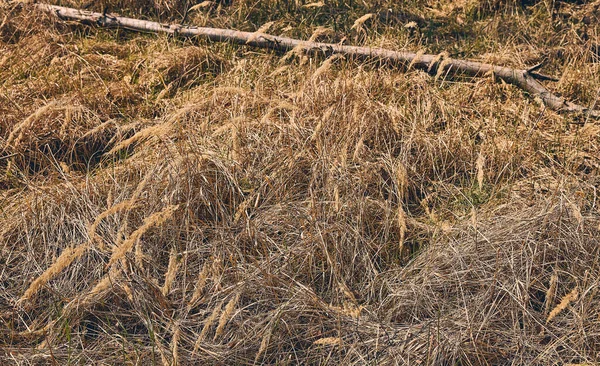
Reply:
x=166 y=200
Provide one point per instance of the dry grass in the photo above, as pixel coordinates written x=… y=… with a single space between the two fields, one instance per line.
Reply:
x=179 y=202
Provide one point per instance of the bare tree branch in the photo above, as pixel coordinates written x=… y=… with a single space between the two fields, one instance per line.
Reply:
x=526 y=79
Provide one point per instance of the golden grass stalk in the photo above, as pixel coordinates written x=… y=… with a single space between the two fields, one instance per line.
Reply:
x=317 y=4
x=320 y=31
x=416 y=59
x=72 y=113
x=201 y=5
x=401 y=179
x=348 y=309
x=87 y=299
x=402 y=228
x=159 y=130
x=139 y=255
x=109 y=198
x=260 y=31
x=124 y=205
x=171 y=272
x=402 y=184
x=17 y=133
x=70 y=254
x=279 y=70
x=128 y=291
x=37 y=332
x=222 y=129
x=328 y=341
x=156 y=219
x=241 y=210
x=65 y=168
x=163 y=93
x=63 y=261
x=358 y=149
x=121 y=234
x=346 y=291
x=175 y=343
x=103 y=284
x=442 y=67
x=101 y=127
x=358 y=23
x=480 y=174
x=206 y=328
x=217 y=272
x=325 y=66
x=297 y=51
x=226 y=316
x=229 y=90
x=566 y=300
x=437 y=59
x=576 y=211
x=324 y=119
x=200 y=283
x=235 y=143
x=264 y=343
x=551 y=293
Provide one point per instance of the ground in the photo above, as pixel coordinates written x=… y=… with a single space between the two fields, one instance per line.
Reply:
x=170 y=201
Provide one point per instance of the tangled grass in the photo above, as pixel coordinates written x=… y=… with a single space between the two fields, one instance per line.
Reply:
x=180 y=202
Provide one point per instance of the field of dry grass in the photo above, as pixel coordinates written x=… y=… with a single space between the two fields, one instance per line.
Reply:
x=167 y=201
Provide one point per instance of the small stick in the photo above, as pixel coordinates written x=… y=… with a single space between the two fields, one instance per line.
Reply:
x=535 y=67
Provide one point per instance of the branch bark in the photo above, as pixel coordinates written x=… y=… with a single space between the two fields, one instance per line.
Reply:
x=525 y=79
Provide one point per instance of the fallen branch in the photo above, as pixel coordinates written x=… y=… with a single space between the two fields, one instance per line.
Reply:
x=527 y=79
